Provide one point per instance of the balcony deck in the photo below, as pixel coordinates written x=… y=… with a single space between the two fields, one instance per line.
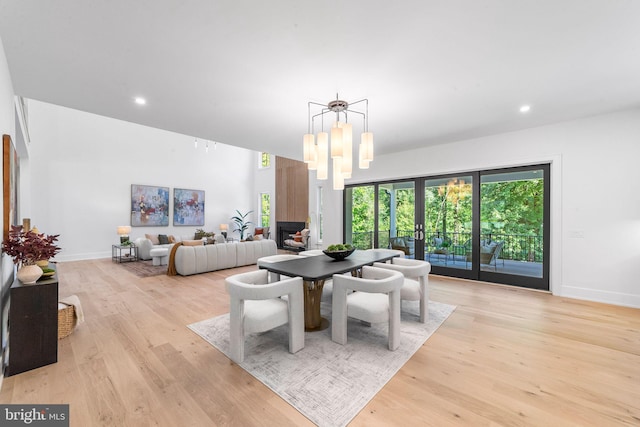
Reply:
x=521 y=268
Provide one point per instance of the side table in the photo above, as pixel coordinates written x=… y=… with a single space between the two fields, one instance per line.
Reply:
x=121 y=253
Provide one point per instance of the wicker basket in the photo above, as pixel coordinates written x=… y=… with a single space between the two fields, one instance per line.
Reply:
x=66 y=319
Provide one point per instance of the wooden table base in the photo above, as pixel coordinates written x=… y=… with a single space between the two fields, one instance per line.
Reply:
x=313 y=321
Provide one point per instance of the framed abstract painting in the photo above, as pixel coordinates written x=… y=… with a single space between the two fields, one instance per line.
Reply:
x=188 y=207
x=149 y=206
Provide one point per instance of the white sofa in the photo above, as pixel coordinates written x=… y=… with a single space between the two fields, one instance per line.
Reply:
x=202 y=259
x=145 y=245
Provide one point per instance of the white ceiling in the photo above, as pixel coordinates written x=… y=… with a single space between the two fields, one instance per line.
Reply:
x=242 y=72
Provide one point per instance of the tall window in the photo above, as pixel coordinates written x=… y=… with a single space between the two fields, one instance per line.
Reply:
x=265 y=160
x=265 y=209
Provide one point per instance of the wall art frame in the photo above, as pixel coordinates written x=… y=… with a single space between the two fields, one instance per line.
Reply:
x=188 y=207
x=10 y=165
x=149 y=206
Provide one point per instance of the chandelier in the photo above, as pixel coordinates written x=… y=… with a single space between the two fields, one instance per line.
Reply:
x=316 y=149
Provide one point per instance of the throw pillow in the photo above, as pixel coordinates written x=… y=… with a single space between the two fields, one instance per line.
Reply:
x=297 y=238
x=153 y=238
x=192 y=243
x=172 y=239
x=163 y=239
x=259 y=230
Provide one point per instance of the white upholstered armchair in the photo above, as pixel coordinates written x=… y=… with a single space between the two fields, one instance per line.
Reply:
x=256 y=306
x=416 y=281
x=377 y=300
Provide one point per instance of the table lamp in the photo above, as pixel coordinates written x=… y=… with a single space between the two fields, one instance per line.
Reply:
x=123 y=231
x=223 y=229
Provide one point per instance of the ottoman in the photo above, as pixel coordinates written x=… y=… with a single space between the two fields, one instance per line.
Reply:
x=160 y=256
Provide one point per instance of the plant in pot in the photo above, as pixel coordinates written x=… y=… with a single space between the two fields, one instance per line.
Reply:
x=241 y=222
x=27 y=248
x=443 y=248
x=201 y=234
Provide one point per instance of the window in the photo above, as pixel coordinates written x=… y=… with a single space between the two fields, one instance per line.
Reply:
x=265 y=160
x=265 y=209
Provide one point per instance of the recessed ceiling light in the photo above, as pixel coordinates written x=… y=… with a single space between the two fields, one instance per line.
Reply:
x=525 y=108
x=140 y=101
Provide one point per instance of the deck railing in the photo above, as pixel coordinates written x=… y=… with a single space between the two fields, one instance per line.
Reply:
x=517 y=247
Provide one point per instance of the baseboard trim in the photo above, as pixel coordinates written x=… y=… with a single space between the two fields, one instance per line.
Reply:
x=616 y=298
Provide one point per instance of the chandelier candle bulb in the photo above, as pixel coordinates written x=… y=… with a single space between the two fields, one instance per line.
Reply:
x=363 y=163
x=367 y=140
x=347 y=150
x=313 y=163
x=323 y=156
x=307 y=145
x=336 y=141
x=338 y=178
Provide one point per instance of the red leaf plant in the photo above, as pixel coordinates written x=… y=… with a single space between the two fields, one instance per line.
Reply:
x=27 y=247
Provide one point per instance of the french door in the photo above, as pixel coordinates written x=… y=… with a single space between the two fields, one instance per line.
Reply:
x=485 y=225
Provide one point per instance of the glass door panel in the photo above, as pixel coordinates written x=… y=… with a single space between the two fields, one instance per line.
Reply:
x=359 y=218
x=448 y=216
x=513 y=208
x=397 y=217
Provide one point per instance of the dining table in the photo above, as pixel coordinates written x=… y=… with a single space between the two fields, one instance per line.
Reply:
x=315 y=270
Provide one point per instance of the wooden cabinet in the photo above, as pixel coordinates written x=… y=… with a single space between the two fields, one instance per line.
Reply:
x=33 y=325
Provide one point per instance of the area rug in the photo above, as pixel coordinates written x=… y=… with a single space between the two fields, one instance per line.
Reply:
x=144 y=268
x=327 y=382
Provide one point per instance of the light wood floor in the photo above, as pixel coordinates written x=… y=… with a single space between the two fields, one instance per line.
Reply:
x=506 y=356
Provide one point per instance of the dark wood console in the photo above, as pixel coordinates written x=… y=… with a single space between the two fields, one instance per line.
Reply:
x=33 y=325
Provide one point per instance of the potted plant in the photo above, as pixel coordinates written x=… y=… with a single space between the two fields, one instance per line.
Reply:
x=443 y=248
x=27 y=248
x=241 y=222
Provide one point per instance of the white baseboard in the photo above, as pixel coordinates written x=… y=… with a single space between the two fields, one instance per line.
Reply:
x=616 y=298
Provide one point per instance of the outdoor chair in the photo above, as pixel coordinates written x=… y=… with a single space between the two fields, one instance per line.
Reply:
x=416 y=281
x=256 y=306
x=376 y=300
x=489 y=254
x=405 y=244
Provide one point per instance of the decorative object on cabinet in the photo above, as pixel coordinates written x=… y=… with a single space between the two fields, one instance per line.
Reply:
x=27 y=248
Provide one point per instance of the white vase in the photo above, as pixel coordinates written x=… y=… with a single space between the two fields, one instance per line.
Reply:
x=29 y=273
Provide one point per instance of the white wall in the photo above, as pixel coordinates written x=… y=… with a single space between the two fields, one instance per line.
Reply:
x=82 y=166
x=7 y=126
x=595 y=228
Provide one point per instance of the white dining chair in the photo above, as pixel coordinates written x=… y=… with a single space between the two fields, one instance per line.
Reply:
x=376 y=299
x=256 y=306
x=311 y=252
x=416 y=281
x=274 y=277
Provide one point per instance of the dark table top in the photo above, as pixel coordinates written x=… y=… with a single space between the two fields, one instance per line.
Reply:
x=323 y=267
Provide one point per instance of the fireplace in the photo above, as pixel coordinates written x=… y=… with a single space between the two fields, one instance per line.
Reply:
x=284 y=229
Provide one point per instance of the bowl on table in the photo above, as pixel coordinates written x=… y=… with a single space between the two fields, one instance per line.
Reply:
x=339 y=255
